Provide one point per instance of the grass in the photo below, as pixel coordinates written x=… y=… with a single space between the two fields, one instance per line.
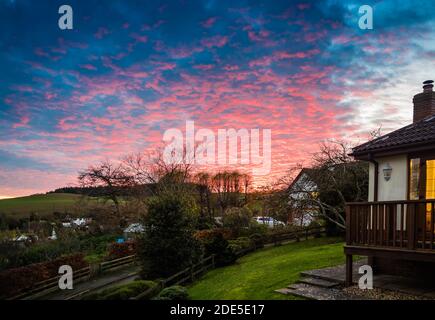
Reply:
x=43 y=204
x=258 y=274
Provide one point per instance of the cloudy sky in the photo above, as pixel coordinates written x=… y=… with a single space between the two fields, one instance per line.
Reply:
x=129 y=70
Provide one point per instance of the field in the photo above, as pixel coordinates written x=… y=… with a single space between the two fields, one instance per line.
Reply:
x=43 y=204
x=258 y=274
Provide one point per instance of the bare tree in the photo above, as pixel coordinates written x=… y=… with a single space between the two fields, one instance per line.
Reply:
x=229 y=186
x=152 y=173
x=112 y=177
x=334 y=179
x=203 y=180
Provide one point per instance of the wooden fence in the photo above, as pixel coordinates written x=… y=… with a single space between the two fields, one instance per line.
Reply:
x=84 y=274
x=279 y=238
x=182 y=277
x=187 y=275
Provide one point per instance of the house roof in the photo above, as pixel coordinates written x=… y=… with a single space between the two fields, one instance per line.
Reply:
x=304 y=173
x=416 y=134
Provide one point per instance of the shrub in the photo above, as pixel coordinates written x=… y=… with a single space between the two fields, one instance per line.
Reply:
x=122 y=292
x=120 y=250
x=14 y=281
x=237 y=219
x=257 y=239
x=173 y=293
x=215 y=243
x=255 y=228
x=168 y=245
x=239 y=244
x=13 y=256
x=209 y=234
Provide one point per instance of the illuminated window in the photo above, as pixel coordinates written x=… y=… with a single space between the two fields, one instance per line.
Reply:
x=430 y=189
x=430 y=179
x=414 y=179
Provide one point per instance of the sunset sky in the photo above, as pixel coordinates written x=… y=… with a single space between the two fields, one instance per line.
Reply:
x=129 y=70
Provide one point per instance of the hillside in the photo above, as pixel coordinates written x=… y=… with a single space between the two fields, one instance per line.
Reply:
x=43 y=204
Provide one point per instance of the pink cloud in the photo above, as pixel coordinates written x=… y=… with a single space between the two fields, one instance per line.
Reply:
x=304 y=6
x=280 y=55
x=204 y=67
x=209 y=22
x=215 y=41
x=139 y=38
x=88 y=67
x=101 y=33
x=23 y=123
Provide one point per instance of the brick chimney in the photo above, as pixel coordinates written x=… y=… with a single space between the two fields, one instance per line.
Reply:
x=424 y=102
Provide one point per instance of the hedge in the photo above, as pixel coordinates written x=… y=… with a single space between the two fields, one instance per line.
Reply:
x=14 y=281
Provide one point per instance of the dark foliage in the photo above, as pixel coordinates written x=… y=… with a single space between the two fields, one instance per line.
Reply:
x=168 y=244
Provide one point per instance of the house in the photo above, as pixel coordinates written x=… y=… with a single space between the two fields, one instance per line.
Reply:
x=133 y=230
x=299 y=190
x=395 y=228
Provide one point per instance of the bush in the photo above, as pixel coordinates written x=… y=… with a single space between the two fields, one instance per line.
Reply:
x=120 y=250
x=168 y=245
x=14 y=281
x=122 y=292
x=255 y=228
x=314 y=225
x=209 y=234
x=14 y=256
x=258 y=240
x=239 y=244
x=215 y=243
x=173 y=293
x=237 y=219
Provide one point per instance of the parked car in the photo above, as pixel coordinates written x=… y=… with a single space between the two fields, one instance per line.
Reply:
x=269 y=221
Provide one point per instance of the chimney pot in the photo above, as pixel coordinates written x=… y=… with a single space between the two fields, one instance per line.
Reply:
x=428 y=86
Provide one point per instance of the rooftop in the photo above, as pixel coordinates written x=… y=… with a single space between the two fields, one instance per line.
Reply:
x=416 y=134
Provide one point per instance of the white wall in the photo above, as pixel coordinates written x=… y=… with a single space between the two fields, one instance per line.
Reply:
x=397 y=187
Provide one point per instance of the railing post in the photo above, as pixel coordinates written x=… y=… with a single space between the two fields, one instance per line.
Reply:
x=411 y=226
x=349 y=270
x=348 y=225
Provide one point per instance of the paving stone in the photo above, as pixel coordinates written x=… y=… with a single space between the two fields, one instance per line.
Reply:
x=283 y=290
x=335 y=274
x=319 y=282
x=323 y=284
x=319 y=293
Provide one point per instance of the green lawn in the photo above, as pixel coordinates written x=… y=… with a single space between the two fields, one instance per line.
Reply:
x=44 y=204
x=258 y=274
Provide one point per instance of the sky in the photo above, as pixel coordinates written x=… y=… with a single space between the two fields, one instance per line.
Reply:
x=129 y=70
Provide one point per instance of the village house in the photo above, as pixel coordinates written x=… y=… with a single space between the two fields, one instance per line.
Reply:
x=302 y=187
x=395 y=228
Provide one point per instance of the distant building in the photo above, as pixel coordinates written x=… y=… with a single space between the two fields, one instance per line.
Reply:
x=300 y=189
x=133 y=230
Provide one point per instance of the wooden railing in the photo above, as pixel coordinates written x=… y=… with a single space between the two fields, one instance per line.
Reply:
x=184 y=276
x=399 y=224
x=52 y=284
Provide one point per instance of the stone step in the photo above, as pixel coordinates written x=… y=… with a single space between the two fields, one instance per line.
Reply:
x=318 y=293
x=283 y=290
x=319 y=282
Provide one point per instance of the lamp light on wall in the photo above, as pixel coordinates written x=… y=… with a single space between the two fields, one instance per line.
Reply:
x=387 y=171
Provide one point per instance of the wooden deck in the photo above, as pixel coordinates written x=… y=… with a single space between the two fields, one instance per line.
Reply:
x=391 y=229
